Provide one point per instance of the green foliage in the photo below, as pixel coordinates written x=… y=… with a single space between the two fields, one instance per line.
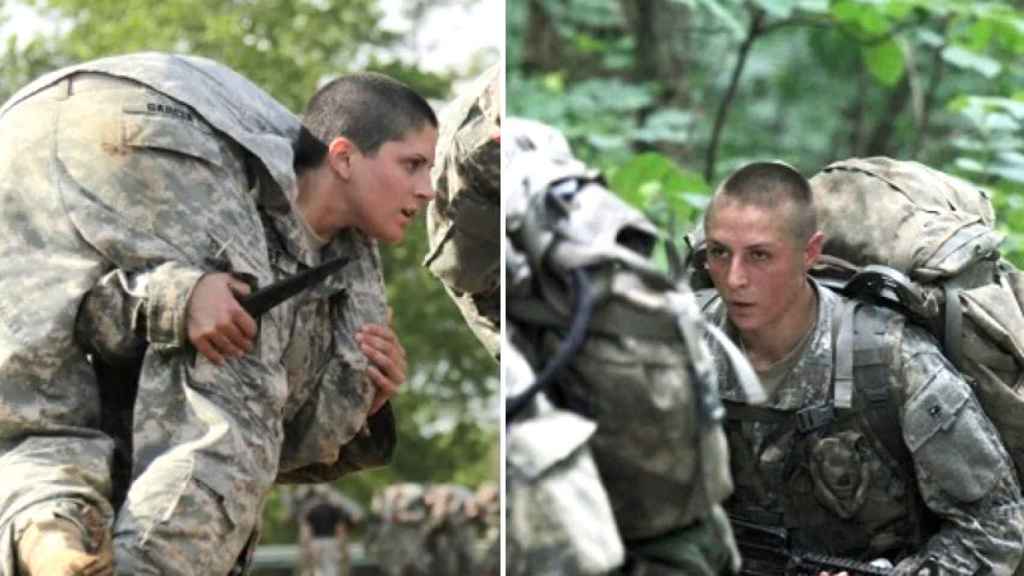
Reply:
x=723 y=16
x=667 y=193
x=885 y=62
x=932 y=80
x=969 y=60
x=285 y=47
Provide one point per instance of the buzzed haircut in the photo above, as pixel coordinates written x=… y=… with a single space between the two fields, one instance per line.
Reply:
x=772 y=185
x=367 y=108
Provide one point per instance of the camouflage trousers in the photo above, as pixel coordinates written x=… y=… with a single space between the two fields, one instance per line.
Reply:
x=94 y=175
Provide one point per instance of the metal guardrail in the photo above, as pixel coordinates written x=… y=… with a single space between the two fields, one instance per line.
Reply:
x=284 y=559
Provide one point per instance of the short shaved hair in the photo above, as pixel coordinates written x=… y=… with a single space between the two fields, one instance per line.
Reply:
x=367 y=108
x=771 y=185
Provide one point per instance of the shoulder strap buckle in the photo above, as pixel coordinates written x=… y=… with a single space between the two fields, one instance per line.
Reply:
x=814 y=417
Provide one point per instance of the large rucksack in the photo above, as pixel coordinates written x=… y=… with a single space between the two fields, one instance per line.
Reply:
x=901 y=234
x=615 y=341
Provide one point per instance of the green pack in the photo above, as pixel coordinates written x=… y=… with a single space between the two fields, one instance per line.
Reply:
x=903 y=235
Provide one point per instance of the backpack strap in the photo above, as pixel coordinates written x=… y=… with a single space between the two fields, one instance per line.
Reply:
x=872 y=359
x=842 y=353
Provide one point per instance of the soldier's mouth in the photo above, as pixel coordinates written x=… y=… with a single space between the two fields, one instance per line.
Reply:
x=409 y=213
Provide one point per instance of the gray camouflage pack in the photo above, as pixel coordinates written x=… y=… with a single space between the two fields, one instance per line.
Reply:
x=938 y=232
x=641 y=375
x=463 y=222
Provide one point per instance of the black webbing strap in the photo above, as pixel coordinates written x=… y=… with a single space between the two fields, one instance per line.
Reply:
x=747 y=413
x=805 y=421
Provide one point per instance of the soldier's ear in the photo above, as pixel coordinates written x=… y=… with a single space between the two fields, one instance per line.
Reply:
x=813 y=249
x=340 y=153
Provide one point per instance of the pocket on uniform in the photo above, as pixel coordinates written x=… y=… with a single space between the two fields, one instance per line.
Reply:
x=951 y=441
x=170 y=494
x=157 y=122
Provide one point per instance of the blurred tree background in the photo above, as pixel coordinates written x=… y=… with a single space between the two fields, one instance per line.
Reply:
x=669 y=96
x=448 y=409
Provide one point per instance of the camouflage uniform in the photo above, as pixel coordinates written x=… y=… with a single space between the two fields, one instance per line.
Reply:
x=956 y=508
x=463 y=222
x=157 y=174
x=422 y=530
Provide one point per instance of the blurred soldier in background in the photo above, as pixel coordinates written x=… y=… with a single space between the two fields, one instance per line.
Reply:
x=488 y=521
x=325 y=518
x=423 y=530
x=616 y=460
x=464 y=220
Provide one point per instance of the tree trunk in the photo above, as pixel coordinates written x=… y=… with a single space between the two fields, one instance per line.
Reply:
x=661 y=30
x=879 y=143
x=543 y=49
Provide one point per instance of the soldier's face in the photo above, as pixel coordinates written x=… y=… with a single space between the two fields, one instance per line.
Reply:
x=755 y=263
x=393 y=185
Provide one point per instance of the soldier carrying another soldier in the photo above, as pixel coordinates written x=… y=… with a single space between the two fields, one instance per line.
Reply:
x=163 y=219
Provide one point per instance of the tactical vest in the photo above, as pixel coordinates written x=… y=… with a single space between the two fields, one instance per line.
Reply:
x=847 y=484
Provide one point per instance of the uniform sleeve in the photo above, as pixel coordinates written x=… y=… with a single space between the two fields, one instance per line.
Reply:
x=331 y=434
x=126 y=310
x=964 y=472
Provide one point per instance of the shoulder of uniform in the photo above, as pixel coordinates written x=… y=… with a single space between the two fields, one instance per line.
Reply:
x=915 y=357
x=877 y=341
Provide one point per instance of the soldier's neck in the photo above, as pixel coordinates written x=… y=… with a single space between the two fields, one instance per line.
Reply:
x=317 y=204
x=769 y=346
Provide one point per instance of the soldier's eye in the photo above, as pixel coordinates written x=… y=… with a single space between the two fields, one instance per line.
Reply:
x=717 y=253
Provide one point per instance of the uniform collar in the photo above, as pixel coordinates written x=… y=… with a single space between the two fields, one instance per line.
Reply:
x=809 y=382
